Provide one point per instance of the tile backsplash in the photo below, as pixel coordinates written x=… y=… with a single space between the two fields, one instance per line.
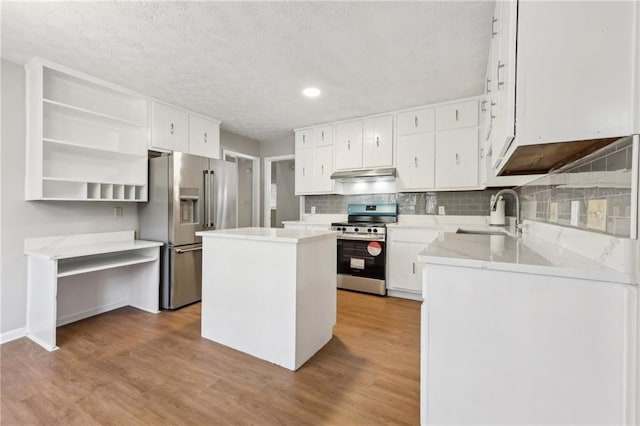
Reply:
x=468 y=203
x=604 y=175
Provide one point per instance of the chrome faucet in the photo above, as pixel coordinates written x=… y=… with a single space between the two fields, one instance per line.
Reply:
x=494 y=201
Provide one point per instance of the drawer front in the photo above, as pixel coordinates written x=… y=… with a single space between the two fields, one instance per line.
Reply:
x=455 y=116
x=412 y=235
x=417 y=121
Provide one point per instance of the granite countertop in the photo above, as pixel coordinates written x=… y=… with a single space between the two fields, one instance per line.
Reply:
x=269 y=234
x=527 y=254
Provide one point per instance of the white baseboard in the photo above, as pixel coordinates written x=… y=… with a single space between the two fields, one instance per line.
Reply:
x=10 y=335
x=91 y=312
x=404 y=295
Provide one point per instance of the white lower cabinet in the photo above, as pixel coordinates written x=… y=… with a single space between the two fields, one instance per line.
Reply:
x=404 y=274
x=520 y=348
x=457 y=159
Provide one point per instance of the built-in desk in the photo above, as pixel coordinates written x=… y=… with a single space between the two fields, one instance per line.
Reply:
x=73 y=277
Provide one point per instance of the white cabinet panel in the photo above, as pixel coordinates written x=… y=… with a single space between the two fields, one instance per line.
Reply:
x=323 y=135
x=416 y=161
x=417 y=121
x=304 y=138
x=304 y=171
x=377 y=149
x=455 y=116
x=204 y=137
x=169 y=128
x=348 y=145
x=457 y=159
x=405 y=273
x=322 y=169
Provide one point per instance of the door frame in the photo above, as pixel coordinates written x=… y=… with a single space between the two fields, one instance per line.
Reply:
x=267 y=185
x=255 y=197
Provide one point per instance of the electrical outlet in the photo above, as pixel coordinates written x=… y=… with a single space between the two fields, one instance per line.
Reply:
x=441 y=210
x=117 y=212
x=597 y=215
x=575 y=213
x=313 y=209
x=553 y=212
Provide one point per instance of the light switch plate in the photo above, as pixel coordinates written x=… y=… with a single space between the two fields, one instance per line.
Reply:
x=553 y=212
x=313 y=209
x=597 y=215
x=441 y=210
x=117 y=212
x=575 y=213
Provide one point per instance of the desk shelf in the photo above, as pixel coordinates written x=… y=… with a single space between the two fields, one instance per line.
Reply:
x=85 y=264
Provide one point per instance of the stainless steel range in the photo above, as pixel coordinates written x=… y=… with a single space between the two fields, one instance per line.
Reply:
x=362 y=255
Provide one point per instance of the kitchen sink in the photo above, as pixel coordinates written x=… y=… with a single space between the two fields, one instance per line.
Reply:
x=482 y=232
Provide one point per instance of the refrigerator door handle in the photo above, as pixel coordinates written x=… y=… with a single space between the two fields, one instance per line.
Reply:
x=213 y=200
x=179 y=251
x=207 y=211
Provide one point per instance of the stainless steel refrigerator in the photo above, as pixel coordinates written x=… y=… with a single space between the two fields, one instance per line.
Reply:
x=187 y=194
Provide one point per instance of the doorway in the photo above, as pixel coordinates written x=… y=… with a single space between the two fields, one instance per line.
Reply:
x=280 y=204
x=248 y=199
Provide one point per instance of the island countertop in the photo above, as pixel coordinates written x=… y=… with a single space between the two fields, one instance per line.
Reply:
x=526 y=255
x=270 y=234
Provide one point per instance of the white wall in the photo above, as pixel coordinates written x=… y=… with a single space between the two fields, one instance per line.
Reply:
x=232 y=142
x=288 y=204
x=23 y=219
x=285 y=146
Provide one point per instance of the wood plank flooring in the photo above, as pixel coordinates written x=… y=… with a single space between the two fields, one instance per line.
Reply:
x=128 y=367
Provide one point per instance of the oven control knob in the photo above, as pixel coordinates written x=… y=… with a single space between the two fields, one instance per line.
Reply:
x=369 y=230
x=355 y=230
x=375 y=230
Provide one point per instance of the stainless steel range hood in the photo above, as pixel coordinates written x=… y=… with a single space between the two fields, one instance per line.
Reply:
x=379 y=174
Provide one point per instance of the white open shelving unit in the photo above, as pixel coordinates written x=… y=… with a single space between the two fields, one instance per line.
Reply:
x=86 y=139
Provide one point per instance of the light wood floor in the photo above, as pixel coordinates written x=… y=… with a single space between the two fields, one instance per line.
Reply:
x=128 y=367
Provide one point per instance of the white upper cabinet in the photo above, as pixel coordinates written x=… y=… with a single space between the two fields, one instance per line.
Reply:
x=416 y=162
x=457 y=159
x=304 y=171
x=416 y=121
x=322 y=135
x=304 y=138
x=377 y=149
x=347 y=145
x=322 y=169
x=169 y=128
x=86 y=138
x=455 y=116
x=204 y=136
x=573 y=78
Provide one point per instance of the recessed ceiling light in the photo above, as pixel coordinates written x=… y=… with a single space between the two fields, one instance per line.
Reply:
x=311 y=92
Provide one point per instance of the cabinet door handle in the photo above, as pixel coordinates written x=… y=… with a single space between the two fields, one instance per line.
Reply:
x=321 y=168
x=348 y=144
x=377 y=141
x=205 y=137
x=481 y=152
x=304 y=138
x=483 y=106
x=488 y=85
x=500 y=66
x=171 y=128
x=322 y=135
x=492 y=105
x=415 y=120
x=413 y=264
x=302 y=168
x=457 y=115
x=493 y=27
x=457 y=158
x=415 y=161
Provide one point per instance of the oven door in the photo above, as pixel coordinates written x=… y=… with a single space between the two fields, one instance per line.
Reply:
x=362 y=258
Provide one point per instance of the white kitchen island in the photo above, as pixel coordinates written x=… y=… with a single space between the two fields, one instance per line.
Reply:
x=269 y=292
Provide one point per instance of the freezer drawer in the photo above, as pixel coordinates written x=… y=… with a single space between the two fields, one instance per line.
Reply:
x=185 y=269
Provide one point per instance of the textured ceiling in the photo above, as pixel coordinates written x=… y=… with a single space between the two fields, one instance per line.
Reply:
x=245 y=63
